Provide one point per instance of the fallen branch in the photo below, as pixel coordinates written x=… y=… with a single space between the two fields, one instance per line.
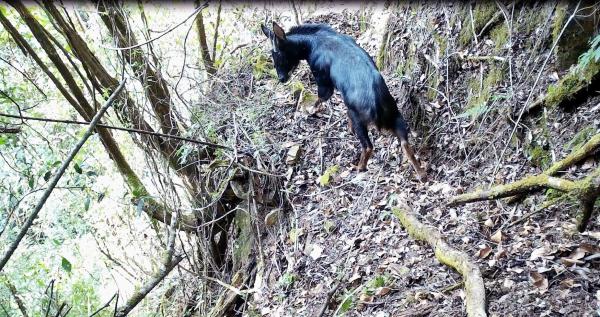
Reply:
x=585 y=190
x=13 y=246
x=474 y=287
x=235 y=291
x=523 y=186
x=571 y=85
x=575 y=157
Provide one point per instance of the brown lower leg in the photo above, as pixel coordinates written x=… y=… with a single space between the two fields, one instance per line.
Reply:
x=364 y=159
x=407 y=150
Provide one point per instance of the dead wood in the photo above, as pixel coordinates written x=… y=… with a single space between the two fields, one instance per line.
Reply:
x=235 y=291
x=474 y=287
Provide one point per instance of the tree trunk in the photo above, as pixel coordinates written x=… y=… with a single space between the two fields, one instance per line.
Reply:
x=204 y=51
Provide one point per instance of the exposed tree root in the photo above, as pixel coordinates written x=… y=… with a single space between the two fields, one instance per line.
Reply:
x=474 y=287
x=585 y=190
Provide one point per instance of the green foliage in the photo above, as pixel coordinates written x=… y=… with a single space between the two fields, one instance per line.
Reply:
x=479 y=99
x=592 y=55
x=326 y=177
x=287 y=280
x=377 y=282
x=348 y=302
x=66 y=265
x=262 y=66
x=538 y=156
x=474 y=112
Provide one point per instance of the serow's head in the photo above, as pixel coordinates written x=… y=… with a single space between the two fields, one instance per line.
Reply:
x=284 y=59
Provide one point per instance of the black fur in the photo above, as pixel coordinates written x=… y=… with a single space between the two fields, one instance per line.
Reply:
x=336 y=61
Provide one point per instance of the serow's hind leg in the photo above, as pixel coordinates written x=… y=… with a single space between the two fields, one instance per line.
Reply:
x=401 y=131
x=362 y=133
x=408 y=151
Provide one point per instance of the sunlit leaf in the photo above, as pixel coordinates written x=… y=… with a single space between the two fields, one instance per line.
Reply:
x=77 y=168
x=86 y=204
x=66 y=265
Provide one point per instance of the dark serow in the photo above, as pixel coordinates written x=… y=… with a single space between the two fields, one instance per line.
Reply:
x=336 y=61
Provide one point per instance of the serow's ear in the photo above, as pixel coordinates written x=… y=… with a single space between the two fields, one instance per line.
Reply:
x=278 y=31
x=268 y=33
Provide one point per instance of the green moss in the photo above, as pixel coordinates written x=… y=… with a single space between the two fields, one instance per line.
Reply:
x=575 y=80
x=382 y=51
x=434 y=83
x=441 y=41
x=135 y=185
x=580 y=138
x=482 y=13
x=539 y=157
x=244 y=239
x=296 y=86
x=477 y=102
x=559 y=18
x=533 y=17
x=406 y=68
x=499 y=35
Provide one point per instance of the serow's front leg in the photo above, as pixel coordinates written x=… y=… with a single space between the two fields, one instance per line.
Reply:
x=324 y=93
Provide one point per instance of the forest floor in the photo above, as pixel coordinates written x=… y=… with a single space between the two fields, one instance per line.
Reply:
x=342 y=233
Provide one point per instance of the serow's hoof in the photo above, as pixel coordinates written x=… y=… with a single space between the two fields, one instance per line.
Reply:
x=359 y=168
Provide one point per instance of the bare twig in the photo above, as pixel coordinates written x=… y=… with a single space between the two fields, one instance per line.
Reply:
x=296 y=13
x=105 y=305
x=120 y=129
x=473 y=24
x=146 y=289
x=216 y=33
x=198 y=9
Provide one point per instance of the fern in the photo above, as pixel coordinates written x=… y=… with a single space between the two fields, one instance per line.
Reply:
x=593 y=54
